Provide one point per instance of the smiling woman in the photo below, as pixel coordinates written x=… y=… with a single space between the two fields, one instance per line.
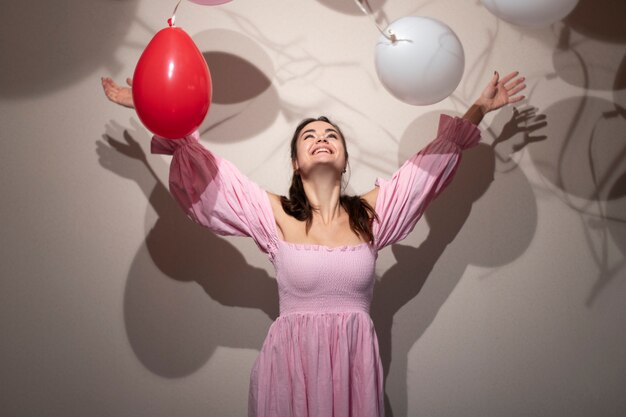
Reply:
x=318 y=148
x=321 y=357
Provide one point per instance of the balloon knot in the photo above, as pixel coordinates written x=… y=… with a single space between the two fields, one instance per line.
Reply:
x=170 y=22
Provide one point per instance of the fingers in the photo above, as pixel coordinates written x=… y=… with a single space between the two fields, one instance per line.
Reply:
x=509 y=77
x=494 y=79
x=106 y=82
x=514 y=83
x=111 y=89
x=516 y=90
x=513 y=86
x=111 y=95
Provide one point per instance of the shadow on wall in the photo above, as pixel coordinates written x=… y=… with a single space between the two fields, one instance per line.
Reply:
x=590 y=62
x=48 y=45
x=585 y=156
x=242 y=88
x=171 y=327
x=599 y=19
x=476 y=221
x=615 y=215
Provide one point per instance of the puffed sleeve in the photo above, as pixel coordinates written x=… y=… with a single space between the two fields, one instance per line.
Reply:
x=215 y=194
x=402 y=200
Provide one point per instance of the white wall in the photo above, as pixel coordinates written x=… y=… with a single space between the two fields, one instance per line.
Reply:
x=508 y=299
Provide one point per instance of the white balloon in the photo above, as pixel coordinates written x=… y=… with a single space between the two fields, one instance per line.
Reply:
x=534 y=13
x=424 y=64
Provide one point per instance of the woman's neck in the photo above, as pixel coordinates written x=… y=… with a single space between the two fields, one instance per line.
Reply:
x=323 y=191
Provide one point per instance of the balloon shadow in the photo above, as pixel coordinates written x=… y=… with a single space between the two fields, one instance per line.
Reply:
x=235 y=79
x=470 y=223
x=48 y=45
x=242 y=88
x=172 y=328
x=585 y=150
x=587 y=62
x=599 y=19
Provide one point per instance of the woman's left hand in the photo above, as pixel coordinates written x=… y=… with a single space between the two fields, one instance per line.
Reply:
x=500 y=92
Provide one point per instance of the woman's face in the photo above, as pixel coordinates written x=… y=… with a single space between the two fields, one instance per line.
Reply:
x=319 y=145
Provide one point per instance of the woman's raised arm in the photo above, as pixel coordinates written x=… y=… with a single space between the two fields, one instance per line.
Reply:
x=210 y=190
x=400 y=202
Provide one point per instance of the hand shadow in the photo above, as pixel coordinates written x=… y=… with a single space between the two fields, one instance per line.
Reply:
x=446 y=216
x=524 y=121
x=169 y=341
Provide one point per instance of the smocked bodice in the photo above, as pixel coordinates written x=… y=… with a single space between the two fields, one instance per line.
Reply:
x=315 y=278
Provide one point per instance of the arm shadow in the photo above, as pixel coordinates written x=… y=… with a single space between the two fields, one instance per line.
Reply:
x=184 y=252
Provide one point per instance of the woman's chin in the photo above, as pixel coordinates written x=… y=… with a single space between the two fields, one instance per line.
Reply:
x=324 y=167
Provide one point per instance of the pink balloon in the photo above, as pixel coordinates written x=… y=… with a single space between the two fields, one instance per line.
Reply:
x=210 y=2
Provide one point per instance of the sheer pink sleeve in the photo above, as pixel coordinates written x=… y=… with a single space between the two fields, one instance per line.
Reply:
x=402 y=199
x=215 y=194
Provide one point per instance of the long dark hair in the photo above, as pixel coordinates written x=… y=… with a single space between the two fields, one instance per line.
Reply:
x=361 y=214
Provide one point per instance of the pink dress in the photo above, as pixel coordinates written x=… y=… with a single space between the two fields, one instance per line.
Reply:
x=320 y=357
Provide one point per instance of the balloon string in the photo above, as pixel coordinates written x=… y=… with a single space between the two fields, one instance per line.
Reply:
x=172 y=19
x=361 y=4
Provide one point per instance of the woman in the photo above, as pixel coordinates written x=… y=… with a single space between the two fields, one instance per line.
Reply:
x=320 y=357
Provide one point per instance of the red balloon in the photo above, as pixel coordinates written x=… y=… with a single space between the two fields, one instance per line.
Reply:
x=172 y=85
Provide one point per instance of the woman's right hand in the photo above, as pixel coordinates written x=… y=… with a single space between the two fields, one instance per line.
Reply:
x=119 y=94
